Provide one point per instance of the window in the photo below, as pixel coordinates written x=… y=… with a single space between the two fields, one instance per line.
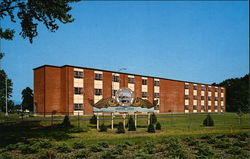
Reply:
x=78 y=74
x=98 y=92
x=156 y=83
x=144 y=94
x=186 y=97
x=216 y=98
x=216 y=90
x=131 y=80
x=78 y=90
x=202 y=108
x=203 y=88
x=186 y=86
x=195 y=97
x=115 y=78
x=144 y=82
x=195 y=107
x=157 y=95
x=186 y=107
x=98 y=76
x=209 y=107
x=221 y=99
x=195 y=87
x=209 y=98
x=221 y=90
x=202 y=97
x=222 y=107
x=78 y=106
x=209 y=89
x=215 y=107
x=114 y=92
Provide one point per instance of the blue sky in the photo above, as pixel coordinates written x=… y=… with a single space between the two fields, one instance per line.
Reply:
x=203 y=42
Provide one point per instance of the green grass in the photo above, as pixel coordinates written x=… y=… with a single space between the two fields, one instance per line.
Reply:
x=173 y=125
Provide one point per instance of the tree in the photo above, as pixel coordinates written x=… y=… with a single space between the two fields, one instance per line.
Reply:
x=151 y=128
x=153 y=118
x=208 y=121
x=237 y=94
x=30 y=12
x=158 y=126
x=3 y=77
x=66 y=122
x=120 y=128
x=27 y=96
x=131 y=124
x=93 y=119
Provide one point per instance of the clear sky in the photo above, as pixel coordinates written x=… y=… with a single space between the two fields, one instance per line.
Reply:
x=202 y=42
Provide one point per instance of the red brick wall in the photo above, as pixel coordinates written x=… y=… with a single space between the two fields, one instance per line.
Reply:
x=107 y=84
x=39 y=89
x=150 y=89
x=88 y=90
x=138 y=83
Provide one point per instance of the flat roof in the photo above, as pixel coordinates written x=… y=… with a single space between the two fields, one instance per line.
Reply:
x=119 y=73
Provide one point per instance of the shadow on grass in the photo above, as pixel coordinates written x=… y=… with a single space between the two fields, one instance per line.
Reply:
x=15 y=131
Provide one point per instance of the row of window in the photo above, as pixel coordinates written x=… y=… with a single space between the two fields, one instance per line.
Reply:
x=78 y=106
x=203 y=98
x=195 y=87
x=186 y=107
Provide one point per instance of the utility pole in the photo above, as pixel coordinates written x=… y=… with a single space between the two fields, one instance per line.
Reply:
x=6 y=102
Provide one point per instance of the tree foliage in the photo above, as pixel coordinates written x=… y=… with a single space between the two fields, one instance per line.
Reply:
x=120 y=128
x=151 y=128
x=131 y=124
x=153 y=118
x=93 y=119
x=208 y=121
x=32 y=12
x=3 y=77
x=27 y=96
x=237 y=94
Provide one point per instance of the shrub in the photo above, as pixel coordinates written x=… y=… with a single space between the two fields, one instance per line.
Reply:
x=240 y=144
x=128 y=143
x=208 y=121
x=103 y=144
x=235 y=150
x=93 y=120
x=64 y=148
x=5 y=155
x=43 y=144
x=79 y=145
x=222 y=144
x=108 y=155
x=66 y=122
x=212 y=140
x=153 y=118
x=46 y=155
x=191 y=141
x=103 y=128
x=11 y=147
x=204 y=151
x=149 y=147
x=131 y=124
x=158 y=126
x=151 y=128
x=95 y=148
x=242 y=137
x=120 y=128
x=77 y=130
x=27 y=149
x=175 y=148
x=82 y=154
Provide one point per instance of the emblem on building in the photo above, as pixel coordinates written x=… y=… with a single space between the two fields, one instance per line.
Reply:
x=124 y=96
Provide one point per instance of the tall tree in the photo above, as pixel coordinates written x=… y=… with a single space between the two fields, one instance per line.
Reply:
x=237 y=94
x=27 y=96
x=3 y=77
x=30 y=12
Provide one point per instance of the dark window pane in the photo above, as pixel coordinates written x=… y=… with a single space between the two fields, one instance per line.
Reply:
x=78 y=74
x=144 y=94
x=98 y=76
x=156 y=83
x=131 y=80
x=186 y=86
x=78 y=90
x=144 y=82
x=98 y=92
x=115 y=78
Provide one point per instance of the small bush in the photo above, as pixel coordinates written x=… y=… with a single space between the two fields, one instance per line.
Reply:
x=149 y=147
x=240 y=144
x=66 y=122
x=27 y=149
x=212 y=140
x=222 y=144
x=103 y=128
x=93 y=120
x=128 y=143
x=108 y=155
x=151 y=128
x=5 y=155
x=103 y=144
x=120 y=128
x=208 y=121
x=46 y=155
x=204 y=151
x=11 y=147
x=235 y=150
x=43 y=144
x=153 y=118
x=79 y=145
x=175 y=148
x=191 y=141
x=131 y=124
x=158 y=126
x=64 y=148
x=82 y=154
x=95 y=148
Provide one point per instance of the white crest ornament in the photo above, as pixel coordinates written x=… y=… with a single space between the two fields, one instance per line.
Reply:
x=124 y=96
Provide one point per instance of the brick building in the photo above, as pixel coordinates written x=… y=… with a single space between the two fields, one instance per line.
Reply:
x=68 y=89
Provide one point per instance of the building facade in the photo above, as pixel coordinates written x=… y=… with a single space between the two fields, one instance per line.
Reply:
x=68 y=89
